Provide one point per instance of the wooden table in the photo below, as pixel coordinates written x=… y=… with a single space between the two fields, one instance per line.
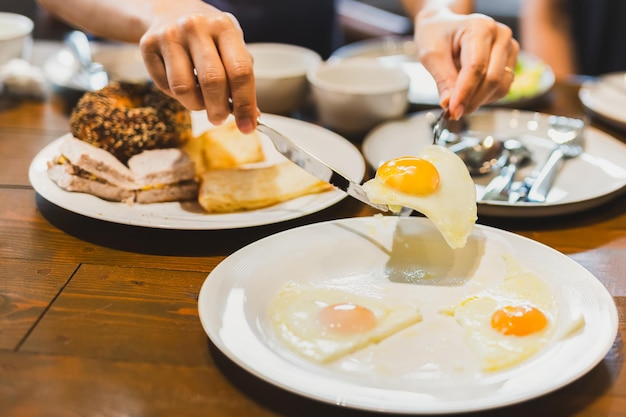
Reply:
x=100 y=319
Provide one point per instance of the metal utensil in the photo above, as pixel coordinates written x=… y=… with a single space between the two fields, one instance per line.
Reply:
x=498 y=187
x=315 y=166
x=91 y=75
x=567 y=133
x=481 y=156
x=440 y=125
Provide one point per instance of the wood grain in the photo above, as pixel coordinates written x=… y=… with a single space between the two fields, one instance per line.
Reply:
x=100 y=319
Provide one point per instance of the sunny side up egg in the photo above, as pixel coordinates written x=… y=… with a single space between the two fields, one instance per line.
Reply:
x=434 y=182
x=507 y=324
x=323 y=324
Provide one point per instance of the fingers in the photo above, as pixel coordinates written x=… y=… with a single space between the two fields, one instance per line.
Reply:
x=201 y=60
x=467 y=56
x=239 y=69
x=444 y=70
x=486 y=50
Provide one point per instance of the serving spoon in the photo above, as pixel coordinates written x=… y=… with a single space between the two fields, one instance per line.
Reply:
x=517 y=155
x=481 y=156
x=91 y=75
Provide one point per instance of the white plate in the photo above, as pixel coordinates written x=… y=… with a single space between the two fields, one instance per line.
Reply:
x=123 y=62
x=606 y=97
x=594 y=178
x=234 y=309
x=329 y=146
x=402 y=52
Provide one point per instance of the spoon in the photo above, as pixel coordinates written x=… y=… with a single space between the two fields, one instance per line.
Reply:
x=92 y=75
x=480 y=156
x=498 y=187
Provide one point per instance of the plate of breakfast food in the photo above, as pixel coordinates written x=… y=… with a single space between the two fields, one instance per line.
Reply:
x=156 y=165
x=398 y=321
x=586 y=181
x=533 y=77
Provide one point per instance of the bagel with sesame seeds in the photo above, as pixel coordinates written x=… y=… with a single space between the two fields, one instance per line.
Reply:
x=126 y=119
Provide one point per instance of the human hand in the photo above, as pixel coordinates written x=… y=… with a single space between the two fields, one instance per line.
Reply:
x=196 y=54
x=471 y=57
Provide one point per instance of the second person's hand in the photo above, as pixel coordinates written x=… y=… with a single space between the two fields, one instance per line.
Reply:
x=471 y=57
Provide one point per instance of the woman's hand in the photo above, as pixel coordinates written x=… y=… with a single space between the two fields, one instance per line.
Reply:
x=472 y=57
x=196 y=54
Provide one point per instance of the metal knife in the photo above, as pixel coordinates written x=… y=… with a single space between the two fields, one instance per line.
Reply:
x=310 y=163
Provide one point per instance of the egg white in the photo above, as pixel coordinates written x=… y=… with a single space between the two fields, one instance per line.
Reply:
x=451 y=208
x=495 y=350
x=293 y=314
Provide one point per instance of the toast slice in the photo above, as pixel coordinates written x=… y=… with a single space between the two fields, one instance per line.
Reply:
x=224 y=147
x=240 y=189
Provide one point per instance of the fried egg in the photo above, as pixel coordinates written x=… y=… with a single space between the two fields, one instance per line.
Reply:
x=508 y=323
x=434 y=182
x=323 y=324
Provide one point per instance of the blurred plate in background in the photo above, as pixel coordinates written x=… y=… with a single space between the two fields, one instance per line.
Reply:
x=533 y=78
x=606 y=97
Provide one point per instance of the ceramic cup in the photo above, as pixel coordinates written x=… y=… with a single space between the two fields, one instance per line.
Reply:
x=15 y=37
x=280 y=75
x=354 y=95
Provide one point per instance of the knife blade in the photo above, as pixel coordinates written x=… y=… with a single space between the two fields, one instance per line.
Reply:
x=310 y=163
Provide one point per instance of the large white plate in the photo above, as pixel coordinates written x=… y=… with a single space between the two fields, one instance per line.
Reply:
x=534 y=78
x=606 y=97
x=594 y=178
x=329 y=146
x=234 y=310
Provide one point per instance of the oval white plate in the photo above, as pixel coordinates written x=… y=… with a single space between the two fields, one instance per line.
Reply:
x=402 y=51
x=234 y=309
x=594 y=178
x=606 y=97
x=329 y=146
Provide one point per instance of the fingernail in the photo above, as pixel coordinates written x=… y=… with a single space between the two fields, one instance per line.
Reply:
x=444 y=99
x=457 y=112
x=460 y=111
x=246 y=126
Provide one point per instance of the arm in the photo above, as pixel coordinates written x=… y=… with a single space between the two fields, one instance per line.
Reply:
x=412 y=7
x=176 y=38
x=545 y=33
x=471 y=56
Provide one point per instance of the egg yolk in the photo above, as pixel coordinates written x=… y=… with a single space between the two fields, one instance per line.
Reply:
x=346 y=318
x=518 y=320
x=410 y=175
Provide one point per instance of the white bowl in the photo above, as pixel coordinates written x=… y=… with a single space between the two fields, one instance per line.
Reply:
x=15 y=36
x=280 y=75
x=353 y=96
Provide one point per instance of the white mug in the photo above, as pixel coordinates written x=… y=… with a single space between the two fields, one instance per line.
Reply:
x=15 y=36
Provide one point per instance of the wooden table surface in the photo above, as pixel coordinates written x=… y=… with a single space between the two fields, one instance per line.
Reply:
x=100 y=319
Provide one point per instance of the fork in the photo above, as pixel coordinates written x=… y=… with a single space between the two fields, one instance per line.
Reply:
x=567 y=133
x=440 y=125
